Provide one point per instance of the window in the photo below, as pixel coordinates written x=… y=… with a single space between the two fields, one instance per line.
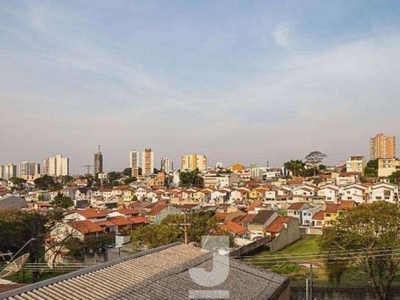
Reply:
x=328 y=215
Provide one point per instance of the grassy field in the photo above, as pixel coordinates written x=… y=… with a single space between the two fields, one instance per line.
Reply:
x=294 y=261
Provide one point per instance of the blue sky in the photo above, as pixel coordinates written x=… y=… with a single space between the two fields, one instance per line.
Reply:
x=238 y=81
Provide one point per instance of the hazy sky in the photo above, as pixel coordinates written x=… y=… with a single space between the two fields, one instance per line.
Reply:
x=238 y=81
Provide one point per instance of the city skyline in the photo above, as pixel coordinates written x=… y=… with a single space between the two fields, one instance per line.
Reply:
x=238 y=81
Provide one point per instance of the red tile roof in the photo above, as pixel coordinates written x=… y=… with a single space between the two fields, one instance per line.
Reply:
x=248 y=218
x=157 y=209
x=346 y=204
x=253 y=205
x=277 y=224
x=221 y=216
x=234 y=227
x=105 y=224
x=85 y=226
x=296 y=206
x=128 y=211
x=120 y=221
x=332 y=208
x=319 y=215
x=92 y=213
x=139 y=220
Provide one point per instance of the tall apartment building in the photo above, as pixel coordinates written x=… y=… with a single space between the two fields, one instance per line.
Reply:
x=165 y=165
x=192 y=161
x=98 y=161
x=134 y=162
x=9 y=171
x=56 y=166
x=29 y=170
x=382 y=146
x=147 y=162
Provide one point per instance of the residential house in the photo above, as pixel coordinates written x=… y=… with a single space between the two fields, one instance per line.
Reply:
x=260 y=222
x=330 y=214
x=329 y=192
x=90 y=214
x=295 y=210
x=160 y=212
x=355 y=192
x=384 y=191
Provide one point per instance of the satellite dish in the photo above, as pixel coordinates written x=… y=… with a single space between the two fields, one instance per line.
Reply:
x=14 y=266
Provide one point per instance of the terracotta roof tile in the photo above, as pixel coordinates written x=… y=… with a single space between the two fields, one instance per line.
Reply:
x=319 y=215
x=277 y=224
x=234 y=227
x=120 y=221
x=85 y=226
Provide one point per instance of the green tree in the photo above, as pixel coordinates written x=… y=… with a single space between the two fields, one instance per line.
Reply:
x=153 y=236
x=191 y=178
x=371 y=169
x=394 y=177
x=365 y=237
x=112 y=176
x=61 y=201
x=127 y=172
x=314 y=159
x=47 y=182
x=295 y=166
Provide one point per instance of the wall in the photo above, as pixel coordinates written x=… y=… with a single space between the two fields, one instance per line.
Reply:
x=287 y=236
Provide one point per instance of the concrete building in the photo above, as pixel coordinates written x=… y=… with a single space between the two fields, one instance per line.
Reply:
x=56 y=166
x=29 y=170
x=192 y=161
x=356 y=164
x=98 y=162
x=165 y=165
x=386 y=166
x=147 y=162
x=9 y=171
x=382 y=146
x=134 y=162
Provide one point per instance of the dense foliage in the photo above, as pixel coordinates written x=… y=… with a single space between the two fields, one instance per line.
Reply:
x=365 y=237
x=191 y=178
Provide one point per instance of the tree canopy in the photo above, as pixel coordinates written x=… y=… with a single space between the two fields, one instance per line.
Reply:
x=191 y=178
x=295 y=166
x=314 y=158
x=169 y=231
x=371 y=169
x=365 y=237
x=61 y=201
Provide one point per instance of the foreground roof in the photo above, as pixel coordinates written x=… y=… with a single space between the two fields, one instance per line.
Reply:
x=161 y=273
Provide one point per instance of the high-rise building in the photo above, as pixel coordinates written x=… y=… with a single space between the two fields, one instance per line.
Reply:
x=56 y=166
x=10 y=170
x=134 y=162
x=192 y=161
x=98 y=162
x=165 y=165
x=382 y=146
x=147 y=162
x=29 y=170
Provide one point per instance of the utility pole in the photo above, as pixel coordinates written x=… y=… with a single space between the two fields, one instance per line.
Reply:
x=185 y=227
x=311 y=283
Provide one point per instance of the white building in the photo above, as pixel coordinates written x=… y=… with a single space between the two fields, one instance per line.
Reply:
x=9 y=171
x=165 y=165
x=29 y=170
x=56 y=166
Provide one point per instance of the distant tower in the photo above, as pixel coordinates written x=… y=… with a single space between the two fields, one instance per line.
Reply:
x=134 y=162
x=98 y=162
x=382 y=146
x=165 y=165
x=147 y=162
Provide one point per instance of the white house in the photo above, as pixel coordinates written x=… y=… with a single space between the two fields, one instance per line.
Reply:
x=384 y=191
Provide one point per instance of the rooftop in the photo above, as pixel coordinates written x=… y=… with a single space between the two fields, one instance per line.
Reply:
x=161 y=273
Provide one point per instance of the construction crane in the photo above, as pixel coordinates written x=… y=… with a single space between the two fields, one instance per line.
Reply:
x=87 y=168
